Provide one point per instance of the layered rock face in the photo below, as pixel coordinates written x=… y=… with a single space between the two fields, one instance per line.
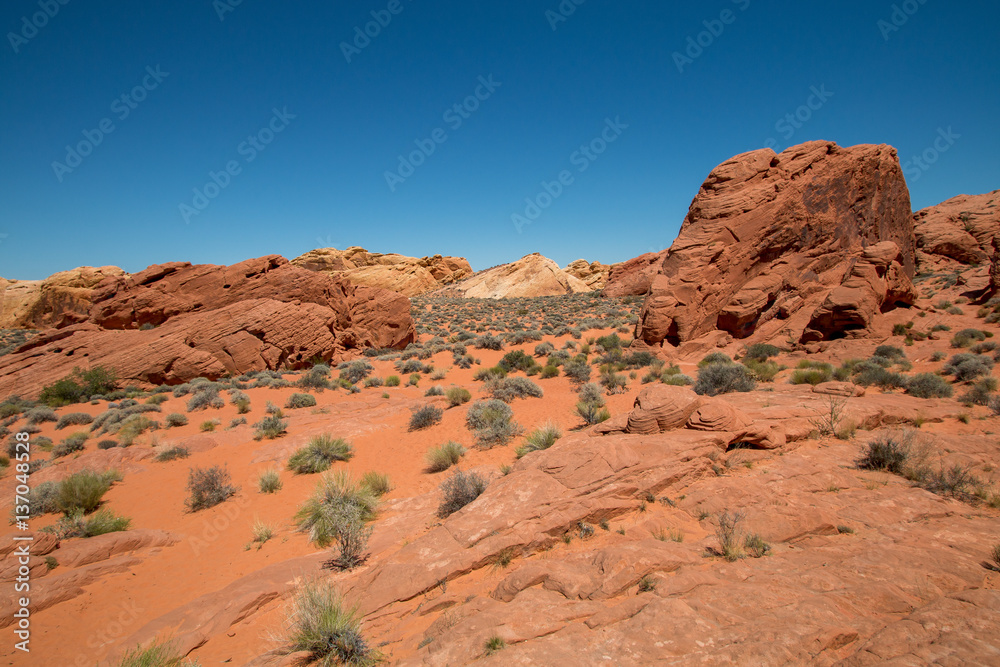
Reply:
x=174 y=322
x=532 y=275
x=593 y=274
x=62 y=298
x=962 y=228
x=409 y=276
x=819 y=235
x=634 y=277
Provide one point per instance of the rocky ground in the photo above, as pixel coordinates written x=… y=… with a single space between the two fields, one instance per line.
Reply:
x=602 y=549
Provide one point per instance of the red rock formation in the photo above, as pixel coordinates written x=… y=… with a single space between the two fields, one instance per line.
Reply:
x=961 y=228
x=771 y=235
x=206 y=321
x=634 y=277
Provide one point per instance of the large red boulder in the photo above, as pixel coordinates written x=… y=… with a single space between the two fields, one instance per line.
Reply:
x=174 y=322
x=961 y=228
x=774 y=236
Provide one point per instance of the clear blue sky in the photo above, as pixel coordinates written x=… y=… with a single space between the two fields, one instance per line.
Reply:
x=321 y=181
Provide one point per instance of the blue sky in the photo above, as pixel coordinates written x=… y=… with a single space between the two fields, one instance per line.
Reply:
x=221 y=83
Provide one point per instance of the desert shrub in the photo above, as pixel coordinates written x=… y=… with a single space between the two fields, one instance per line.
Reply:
x=592 y=413
x=436 y=390
x=980 y=392
x=889 y=352
x=409 y=366
x=44 y=499
x=207 y=487
x=73 y=419
x=320 y=454
x=392 y=381
x=812 y=372
x=414 y=380
x=107 y=444
x=755 y=546
x=41 y=415
x=158 y=654
x=457 y=396
x=761 y=352
x=317 y=377
x=157 y=399
x=486 y=374
x=325 y=628
x=425 y=417
x=511 y=388
x=516 y=361
x=488 y=342
x=640 y=359
x=966 y=367
x=928 y=385
x=967 y=337
x=298 y=401
x=270 y=427
x=611 y=342
x=730 y=535
x=763 y=371
x=79 y=386
x=459 y=490
x=714 y=358
x=441 y=458
x=173 y=453
x=337 y=500
x=549 y=372
x=868 y=373
x=377 y=482
x=269 y=481
x=721 y=378
x=676 y=380
x=491 y=422
x=982 y=348
x=76 y=525
x=176 y=419
x=544 y=349
x=541 y=438
x=204 y=399
x=886 y=452
x=355 y=371
x=82 y=491
x=73 y=443
x=577 y=370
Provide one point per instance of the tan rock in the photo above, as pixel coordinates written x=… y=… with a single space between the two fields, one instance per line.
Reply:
x=594 y=274
x=62 y=298
x=409 y=276
x=532 y=275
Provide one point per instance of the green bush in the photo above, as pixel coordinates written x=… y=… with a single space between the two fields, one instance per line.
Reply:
x=441 y=458
x=511 y=388
x=714 y=358
x=83 y=491
x=488 y=342
x=577 y=370
x=269 y=481
x=967 y=367
x=173 y=453
x=73 y=419
x=355 y=371
x=967 y=337
x=337 y=499
x=73 y=443
x=539 y=439
x=317 y=377
x=811 y=376
x=298 y=401
x=516 y=361
x=459 y=490
x=377 y=482
x=107 y=444
x=176 y=419
x=549 y=372
x=868 y=373
x=929 y=385
x=40 y=415
x=326 y=629
x=392 y=381
x=76 y=525
x=425 y=417
x=207 y=487
x=761 y=352
x=320 y=454
x=79 y=386
x=885 y=452
x=721 y=378
x=980 y=392
x=457 y=396
x=763 y=371
x=157 y=654
x=204 y=399
x=270 y=427
x=491 y=422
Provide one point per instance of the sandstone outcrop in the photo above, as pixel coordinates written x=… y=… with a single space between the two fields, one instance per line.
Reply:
x=174 y=322
x=532 y=275
x=634 y=277
x=778 y=236
x=62 y=298
x=409 y=276
x=593 y=274
x=962 y=228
